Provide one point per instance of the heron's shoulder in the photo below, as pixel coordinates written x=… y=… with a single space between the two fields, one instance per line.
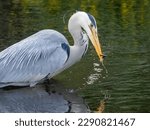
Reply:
x=50 y=34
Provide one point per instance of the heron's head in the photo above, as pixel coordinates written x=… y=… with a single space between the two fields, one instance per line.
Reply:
x=87 y=23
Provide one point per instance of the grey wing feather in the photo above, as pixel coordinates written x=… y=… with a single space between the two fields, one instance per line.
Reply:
x=33 y=58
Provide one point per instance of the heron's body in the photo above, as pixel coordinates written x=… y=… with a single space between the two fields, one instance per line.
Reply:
x=41 y=56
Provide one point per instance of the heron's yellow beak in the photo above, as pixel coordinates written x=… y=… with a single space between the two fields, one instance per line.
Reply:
x=95 y=41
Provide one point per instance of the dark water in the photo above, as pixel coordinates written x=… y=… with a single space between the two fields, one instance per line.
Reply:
x=124 y=28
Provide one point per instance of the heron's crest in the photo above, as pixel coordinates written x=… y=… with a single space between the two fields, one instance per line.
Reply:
x=92 y=19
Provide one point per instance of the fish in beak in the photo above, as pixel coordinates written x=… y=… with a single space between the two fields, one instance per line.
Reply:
x=95 y=41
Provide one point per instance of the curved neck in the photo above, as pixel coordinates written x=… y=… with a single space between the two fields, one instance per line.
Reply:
x=80 y=43
x=76 y=33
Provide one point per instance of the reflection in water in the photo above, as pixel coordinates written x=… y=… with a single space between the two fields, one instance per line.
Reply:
x=101 y=107
x=124 y=29
x=48 y=97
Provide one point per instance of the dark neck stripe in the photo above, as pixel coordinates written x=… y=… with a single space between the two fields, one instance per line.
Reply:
x=66 y=48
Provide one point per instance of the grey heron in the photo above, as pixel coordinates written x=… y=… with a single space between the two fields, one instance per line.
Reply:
x=47 y=52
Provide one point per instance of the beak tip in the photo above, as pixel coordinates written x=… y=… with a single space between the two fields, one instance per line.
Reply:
x=102 y=57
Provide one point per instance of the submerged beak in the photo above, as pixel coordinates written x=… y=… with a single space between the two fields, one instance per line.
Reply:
x=95 y=41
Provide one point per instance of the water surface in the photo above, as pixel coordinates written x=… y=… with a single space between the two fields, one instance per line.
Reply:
x=124 y=28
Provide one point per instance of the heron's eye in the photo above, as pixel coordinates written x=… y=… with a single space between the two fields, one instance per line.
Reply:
x=91 y=25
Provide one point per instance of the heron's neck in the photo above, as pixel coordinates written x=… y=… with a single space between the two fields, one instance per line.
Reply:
x=76 y=32
x=77 y=35
x=80 y=44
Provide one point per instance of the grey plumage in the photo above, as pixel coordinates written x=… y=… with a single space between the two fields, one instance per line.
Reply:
x=21 y=62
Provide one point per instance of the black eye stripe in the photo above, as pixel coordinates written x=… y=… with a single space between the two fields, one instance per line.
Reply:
x=83 y=30
x=92 y=19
